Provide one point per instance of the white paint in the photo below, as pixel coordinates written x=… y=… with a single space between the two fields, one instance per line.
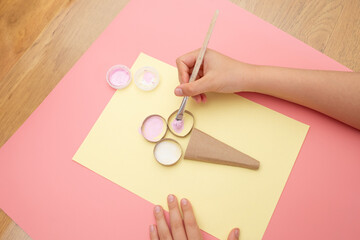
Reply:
x=167 y=152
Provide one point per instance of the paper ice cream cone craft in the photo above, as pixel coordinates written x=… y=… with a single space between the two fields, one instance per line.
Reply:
x=203 y=147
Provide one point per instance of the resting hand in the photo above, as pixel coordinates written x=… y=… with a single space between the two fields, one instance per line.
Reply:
x=181 y=228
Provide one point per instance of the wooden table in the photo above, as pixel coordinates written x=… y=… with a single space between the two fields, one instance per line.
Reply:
x=40 y=40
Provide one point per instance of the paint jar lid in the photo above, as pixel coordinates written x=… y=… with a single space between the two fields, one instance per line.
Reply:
x=118 y=76
x=167 y=152
x=147 y=78
x=181 y=128
x=154 y=128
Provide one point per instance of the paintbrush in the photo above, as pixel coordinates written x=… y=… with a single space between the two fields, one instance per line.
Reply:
x=200 y=58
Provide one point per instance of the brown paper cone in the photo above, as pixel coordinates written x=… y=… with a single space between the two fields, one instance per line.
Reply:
x=203 y=147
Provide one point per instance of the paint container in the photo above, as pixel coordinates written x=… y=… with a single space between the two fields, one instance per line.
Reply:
x=118 y=76
x=154 y=128
x=147 y=78
x=167 y=152
x=181 y=128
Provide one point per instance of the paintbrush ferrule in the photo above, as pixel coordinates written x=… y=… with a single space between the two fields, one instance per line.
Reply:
x=180 y=114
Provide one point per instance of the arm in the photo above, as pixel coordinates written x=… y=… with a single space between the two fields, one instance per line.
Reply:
x=336 y=94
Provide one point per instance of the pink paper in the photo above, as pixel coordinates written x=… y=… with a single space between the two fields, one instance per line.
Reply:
x=52 y=197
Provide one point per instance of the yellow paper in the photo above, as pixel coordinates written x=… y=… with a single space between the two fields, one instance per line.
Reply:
x=223 y=196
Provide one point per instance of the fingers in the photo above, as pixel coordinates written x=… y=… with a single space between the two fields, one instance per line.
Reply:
x=176 y=223
x=184 y=64
x=234 y=234
x=191 y=227
x=197 y=98
x=153 y=233
x=198 y=87
x=162 y=227
x=201 y=98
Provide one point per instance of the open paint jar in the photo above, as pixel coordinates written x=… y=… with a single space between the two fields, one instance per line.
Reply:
x=154 y=128
x=183 y=127
x=167 y=152
x=146 y=78
x=118 y=76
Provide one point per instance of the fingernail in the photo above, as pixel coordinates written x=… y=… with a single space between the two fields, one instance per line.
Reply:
x=171 y=198
x=157 y=209
x=237 y=232
x=178 y=92
x=152 y=228
x=184 y=202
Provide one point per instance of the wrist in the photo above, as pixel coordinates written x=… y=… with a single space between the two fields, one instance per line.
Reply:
x=247 y=77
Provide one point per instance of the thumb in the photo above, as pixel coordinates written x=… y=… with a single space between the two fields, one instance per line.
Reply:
x=234 y=234
x=194 y=88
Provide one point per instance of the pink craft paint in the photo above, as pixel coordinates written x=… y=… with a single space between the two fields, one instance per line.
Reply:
x=146 y=78
x=154 y=128
x=118 y=76
x=177 y=126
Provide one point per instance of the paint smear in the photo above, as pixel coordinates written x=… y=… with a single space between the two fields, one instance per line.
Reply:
x=154 y=128
x=177 y=126
x=147 y=78
x=181 y=128
x=167 y=152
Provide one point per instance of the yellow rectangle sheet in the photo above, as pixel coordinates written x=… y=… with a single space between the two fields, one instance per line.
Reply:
x=223 y=196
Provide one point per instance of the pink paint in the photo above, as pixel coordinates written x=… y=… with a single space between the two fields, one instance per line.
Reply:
x=153 y=128
x=118 y=76
x=177 y=126
x=148 y=77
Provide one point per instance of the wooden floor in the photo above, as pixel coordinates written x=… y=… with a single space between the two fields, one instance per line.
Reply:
x=9 y=230
x=40 y=40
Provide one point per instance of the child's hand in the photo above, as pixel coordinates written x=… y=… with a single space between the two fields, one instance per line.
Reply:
x=181 y=228
x=333 y=93
x=218 y=73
